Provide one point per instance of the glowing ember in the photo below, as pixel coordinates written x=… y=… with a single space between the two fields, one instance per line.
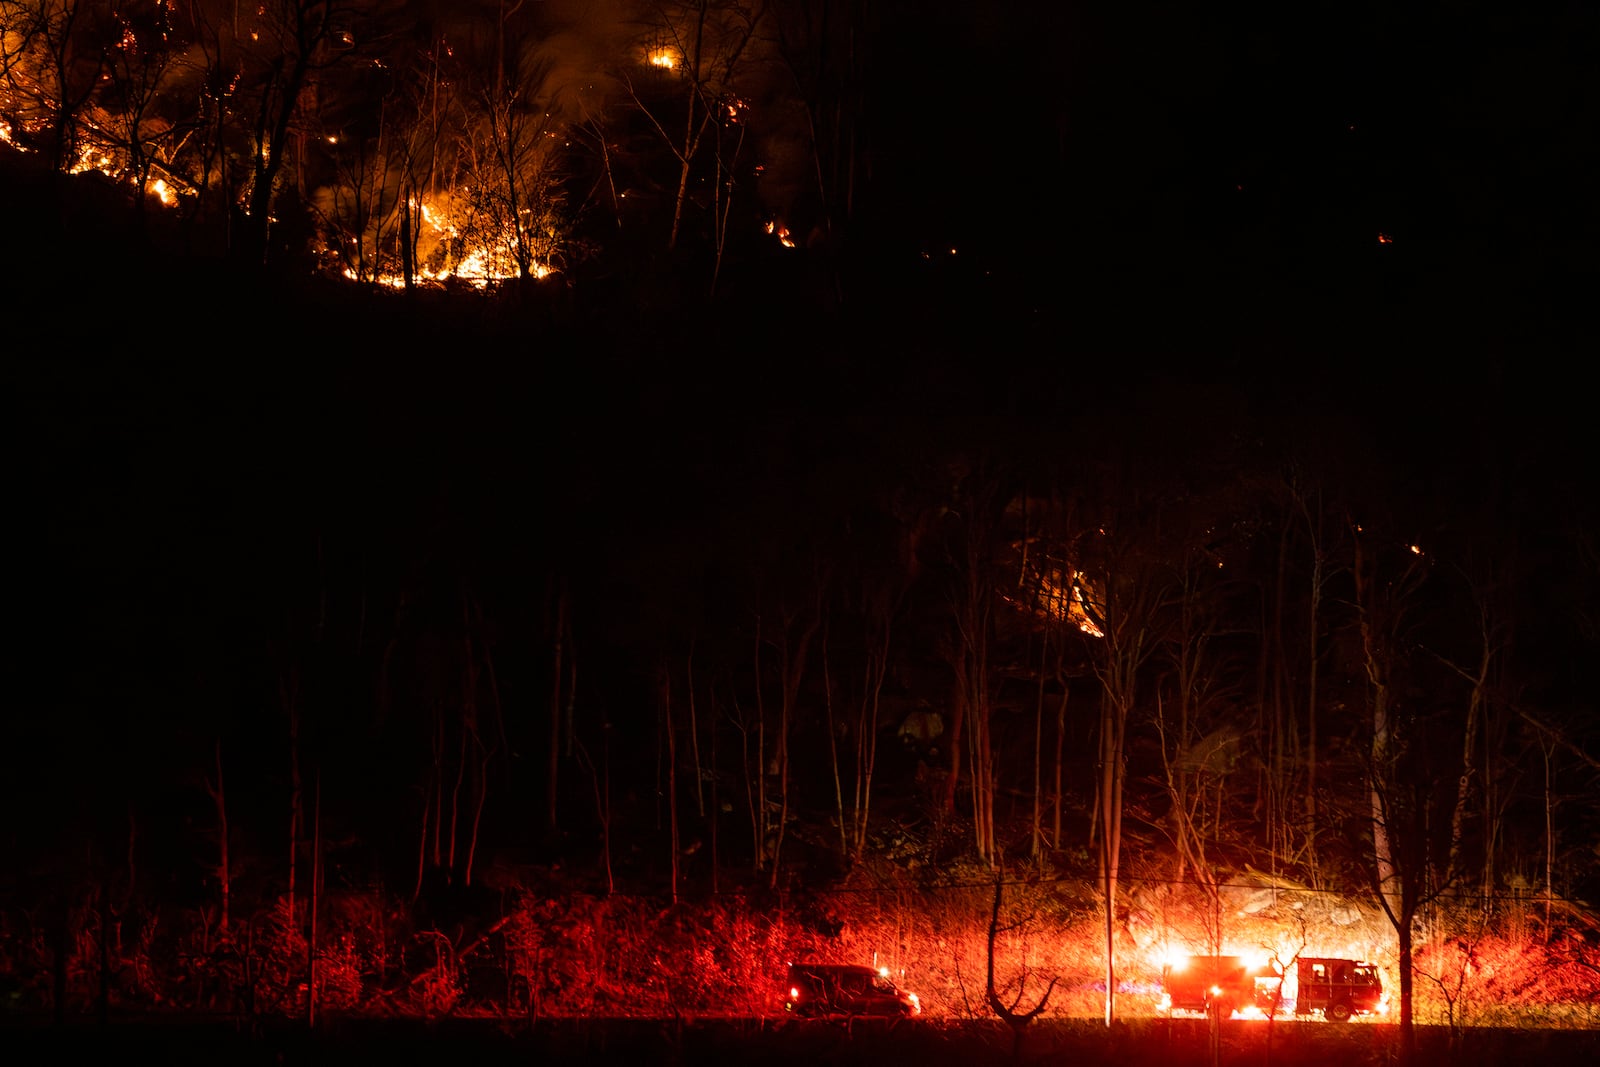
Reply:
x=90 y=159
x=781 y=232
x=472 y=271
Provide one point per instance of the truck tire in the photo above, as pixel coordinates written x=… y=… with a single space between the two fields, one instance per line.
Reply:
x=1339 y=1013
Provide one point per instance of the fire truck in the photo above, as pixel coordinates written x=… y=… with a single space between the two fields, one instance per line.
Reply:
x=1338 y=989
x=1217 y=984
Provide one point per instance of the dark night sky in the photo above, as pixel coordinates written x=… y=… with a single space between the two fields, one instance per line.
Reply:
x=1254 y=153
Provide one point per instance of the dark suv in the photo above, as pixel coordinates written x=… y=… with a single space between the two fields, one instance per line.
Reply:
x=845 y=989
x=1339 y=988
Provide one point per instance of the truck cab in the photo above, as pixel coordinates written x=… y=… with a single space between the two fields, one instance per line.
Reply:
x=1338 y=989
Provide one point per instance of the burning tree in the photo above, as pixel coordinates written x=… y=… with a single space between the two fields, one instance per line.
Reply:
x=139 y=121
x=281 y=50
x=696 y=54
x=369 y=132
x=449 y=159
x=513 y=192
x=55 y=54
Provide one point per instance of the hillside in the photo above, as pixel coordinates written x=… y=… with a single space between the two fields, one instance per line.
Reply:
x=592 y=648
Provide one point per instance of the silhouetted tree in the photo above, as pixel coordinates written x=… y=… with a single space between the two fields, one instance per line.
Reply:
x=1009 y=1013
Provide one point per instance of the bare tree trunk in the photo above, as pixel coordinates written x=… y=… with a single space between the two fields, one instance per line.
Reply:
x=553 y=757
x=694 y=736
x=672 y=776
x=877 y=668
x=600 y=784
x=752 y=769
x=455 y=802
x=694 y=123
x=1017 y=1020
x=954 y=738
x=289 y=693
x=1127 y=619
x=438 y=790
x=1549 y=837
x=685 y=156
x=785 y=719
x=219 y=801
x=482 y=795
x=309 y=25
x=501 y=744
x=761 y=755
x=1037 y=830
x=716 y=800
x=1312 y=697
x=1281 y=800
x=1477 y=780
x=474 y=769
x=1061 y=740
x=431 y=806
x=972 y=610
x=316 y=886
x=722 y=202
x=833 y=749
x=422 y=848
x=1375 y=664
x=1113 y=727
x=1401 y=881
x=408 y=249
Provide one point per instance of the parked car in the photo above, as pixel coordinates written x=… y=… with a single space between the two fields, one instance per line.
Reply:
x=846 y=989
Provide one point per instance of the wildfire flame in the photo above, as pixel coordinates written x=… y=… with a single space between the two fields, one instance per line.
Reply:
x=665 y=58
x=478 y=267
x=1078 y=612
x=782 y=234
